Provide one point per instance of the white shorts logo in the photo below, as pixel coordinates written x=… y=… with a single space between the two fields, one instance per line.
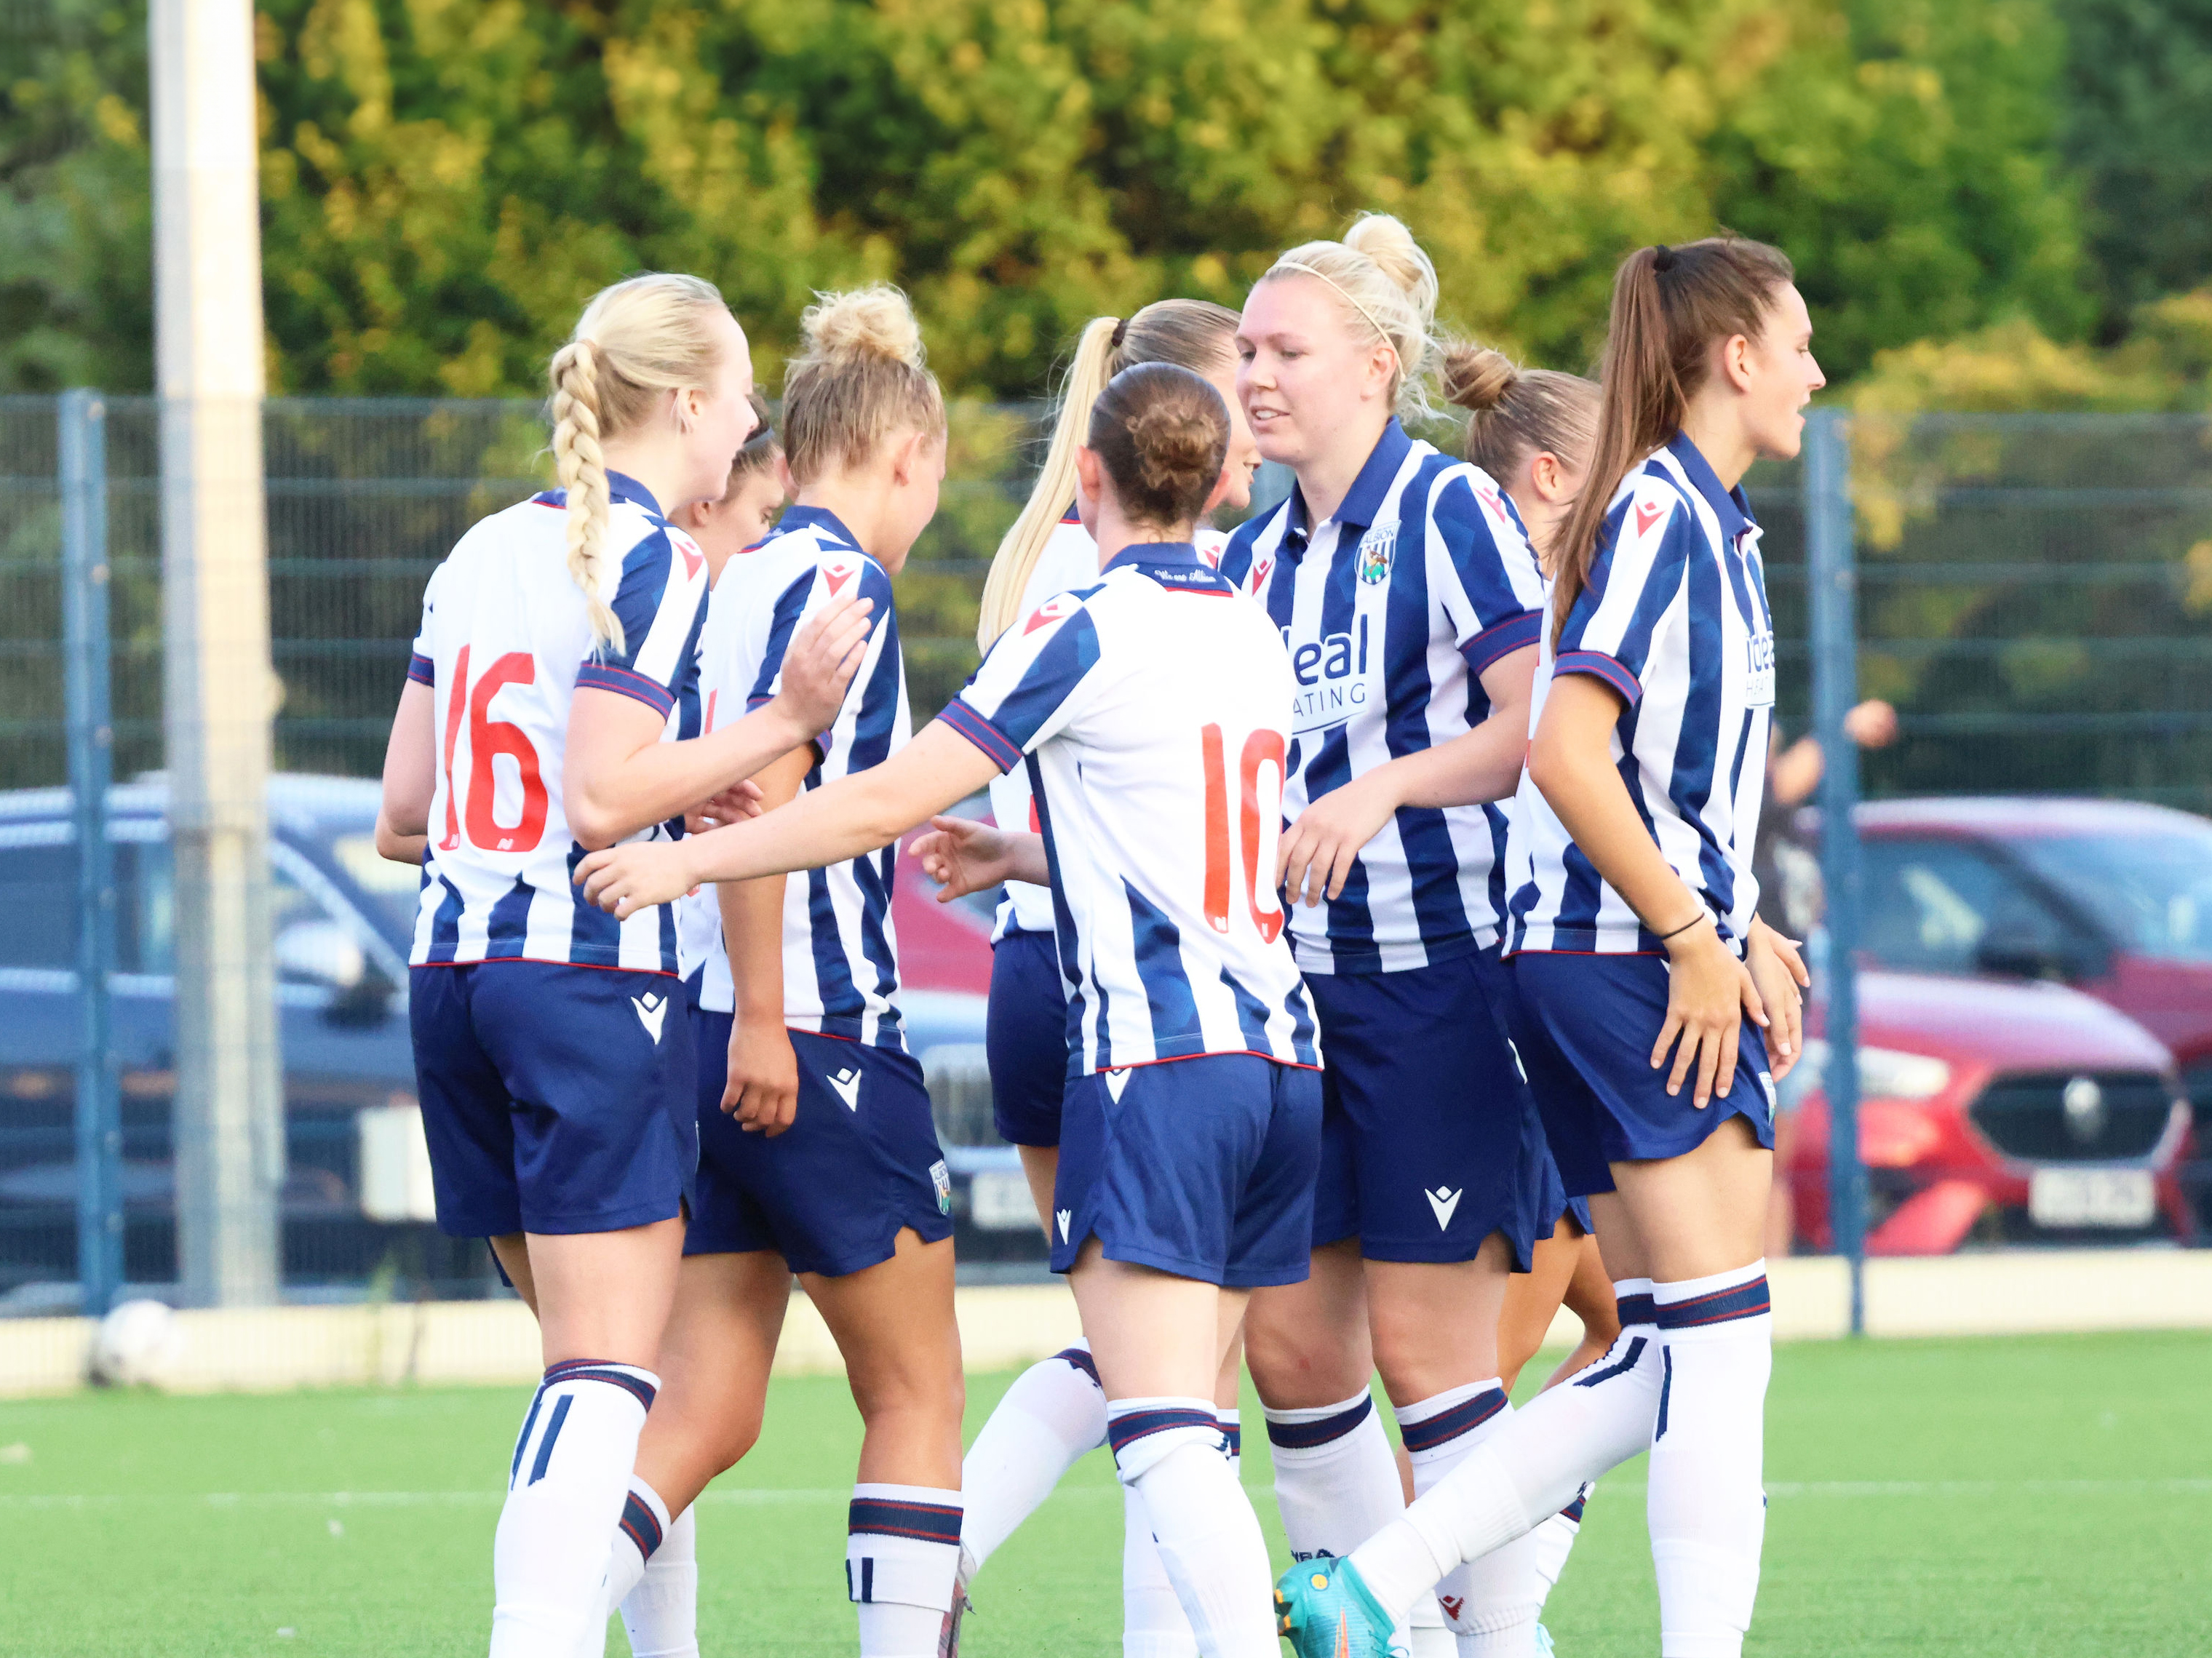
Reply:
x=1116 y=1081
x=1444 y=1201
x=846 y=1083
x=1063 y=1217
x=652 y=1013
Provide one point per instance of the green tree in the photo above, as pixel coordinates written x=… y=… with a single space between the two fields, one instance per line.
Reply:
x=2138 y=125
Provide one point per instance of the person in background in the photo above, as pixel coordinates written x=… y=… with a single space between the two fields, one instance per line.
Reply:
x=759 y=484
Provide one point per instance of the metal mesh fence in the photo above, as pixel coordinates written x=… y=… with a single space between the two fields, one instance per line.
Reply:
x=2036 y=599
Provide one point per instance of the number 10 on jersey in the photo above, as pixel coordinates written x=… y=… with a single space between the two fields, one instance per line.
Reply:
x=1259 y=793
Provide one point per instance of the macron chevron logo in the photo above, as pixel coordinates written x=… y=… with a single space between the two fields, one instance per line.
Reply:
x=847 y=1082
x=1444 y=1201
x=652 y=1013
x=1063 y=1216
x=1051 y=610
x=1647 y=514
x=1116 y=1081
x=835 y=576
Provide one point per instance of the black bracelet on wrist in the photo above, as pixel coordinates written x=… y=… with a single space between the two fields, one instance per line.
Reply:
x=1684 y=927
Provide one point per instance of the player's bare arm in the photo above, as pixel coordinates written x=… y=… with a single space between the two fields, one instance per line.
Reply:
x=964 y=856
x=840 y=820
x=620 y=776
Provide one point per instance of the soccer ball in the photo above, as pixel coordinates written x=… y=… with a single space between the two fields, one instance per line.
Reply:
x=137 y=1345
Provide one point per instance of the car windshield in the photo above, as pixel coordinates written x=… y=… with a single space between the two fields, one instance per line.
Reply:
x=395 y=889
x=2155 y=891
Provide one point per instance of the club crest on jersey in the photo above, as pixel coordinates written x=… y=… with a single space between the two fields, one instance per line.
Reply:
x=1053 y=609
x=941 y=1178
x=1376 y=549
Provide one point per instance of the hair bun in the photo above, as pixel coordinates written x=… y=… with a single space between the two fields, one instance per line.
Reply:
x=1176 y=446
x=1387 y=242
x=1477 y=378
x=875 y=321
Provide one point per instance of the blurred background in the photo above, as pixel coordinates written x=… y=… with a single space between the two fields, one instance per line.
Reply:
x=1993 y=566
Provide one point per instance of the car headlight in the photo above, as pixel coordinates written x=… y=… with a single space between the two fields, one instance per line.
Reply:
x=1885 y=1073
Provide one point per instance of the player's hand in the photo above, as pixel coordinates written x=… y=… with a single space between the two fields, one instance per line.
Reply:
x=625 y=879
x=1779 y=972
x=1709 y=994
x=762 y=1092
x=733 y=804
x=819 y=665
x=963 y=856
x=1315 y=855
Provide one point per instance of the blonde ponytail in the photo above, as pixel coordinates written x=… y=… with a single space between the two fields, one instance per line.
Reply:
x=1019 y=552
x=636 y=342
x=1192 y=334
x=862 y=376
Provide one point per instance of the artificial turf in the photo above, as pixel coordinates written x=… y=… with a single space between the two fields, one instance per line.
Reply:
x=2033 y=1498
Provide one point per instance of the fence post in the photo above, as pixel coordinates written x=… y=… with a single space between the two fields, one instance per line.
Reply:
x=1833 y=577
x=83 y=433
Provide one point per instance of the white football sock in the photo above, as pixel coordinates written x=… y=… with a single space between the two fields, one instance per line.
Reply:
x=1707 y=1506
x=1555 y=1540
x=1336 y=1485
x=901 y=1556
x=1209 y=1541
x=656 y=1582
x=1152 y=1621
x=1489 y=1604
x=1052 y=1416
x=1530 y=1466
x=564 y=1494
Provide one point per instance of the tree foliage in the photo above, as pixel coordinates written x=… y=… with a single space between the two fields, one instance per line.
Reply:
x=445 y=180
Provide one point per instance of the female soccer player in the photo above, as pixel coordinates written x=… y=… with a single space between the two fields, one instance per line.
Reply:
x=556 y=639
x=1055 y=1413
x=1411 y=603
x=1641 y=964
x=818 y=1155
x=1150 y=709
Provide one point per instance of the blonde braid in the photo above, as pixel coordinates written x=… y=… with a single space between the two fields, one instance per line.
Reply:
x=582 y=472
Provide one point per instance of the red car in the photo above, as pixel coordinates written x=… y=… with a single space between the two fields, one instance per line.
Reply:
x=1998 y=1111
x=2109 y=897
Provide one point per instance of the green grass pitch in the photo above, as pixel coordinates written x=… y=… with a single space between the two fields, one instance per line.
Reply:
x=2033 y=1498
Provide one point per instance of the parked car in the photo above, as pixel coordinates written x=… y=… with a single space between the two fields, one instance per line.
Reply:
x=2112 y=897
x=1995 y=1112
x=355 y=1187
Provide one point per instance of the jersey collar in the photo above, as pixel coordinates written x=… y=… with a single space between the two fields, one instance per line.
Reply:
x=1364 y=499
x=817 y=518
x=1158 y=554
x=1731 y=507
x=621 y=486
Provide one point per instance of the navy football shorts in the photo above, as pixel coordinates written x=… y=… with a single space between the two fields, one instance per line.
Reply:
x=830 y=1193
x=1590 y=1023
x=1025 y=1036
x=1202 y=1166
x=1539 y=1170
x=1425 y=1138
x=555 y=1099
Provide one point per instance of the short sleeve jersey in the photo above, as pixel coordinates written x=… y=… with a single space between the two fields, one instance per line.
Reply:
x=1068 y=559
x=1392 y=610
x=840 y=952
x=1151 y=711
x=1674 y=618
x=506 y=643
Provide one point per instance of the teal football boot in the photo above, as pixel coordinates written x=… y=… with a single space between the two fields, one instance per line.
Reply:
x=1324 y=1611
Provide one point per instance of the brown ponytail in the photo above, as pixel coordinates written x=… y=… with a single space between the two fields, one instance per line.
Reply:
x=1669 y=305
x=1161 y=433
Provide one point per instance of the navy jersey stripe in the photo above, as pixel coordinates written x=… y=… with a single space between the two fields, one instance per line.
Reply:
x=1160 y=969
x=782 y=619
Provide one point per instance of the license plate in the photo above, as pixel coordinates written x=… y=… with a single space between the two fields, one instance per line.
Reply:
x=998 y=1201
x=2091 y=1197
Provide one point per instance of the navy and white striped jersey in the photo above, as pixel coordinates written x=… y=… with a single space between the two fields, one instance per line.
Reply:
x=1068 y=559
x=839 y=953
x=1153 y=709
x=1675 y=620
x=1392 y=610
x=506 y=642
